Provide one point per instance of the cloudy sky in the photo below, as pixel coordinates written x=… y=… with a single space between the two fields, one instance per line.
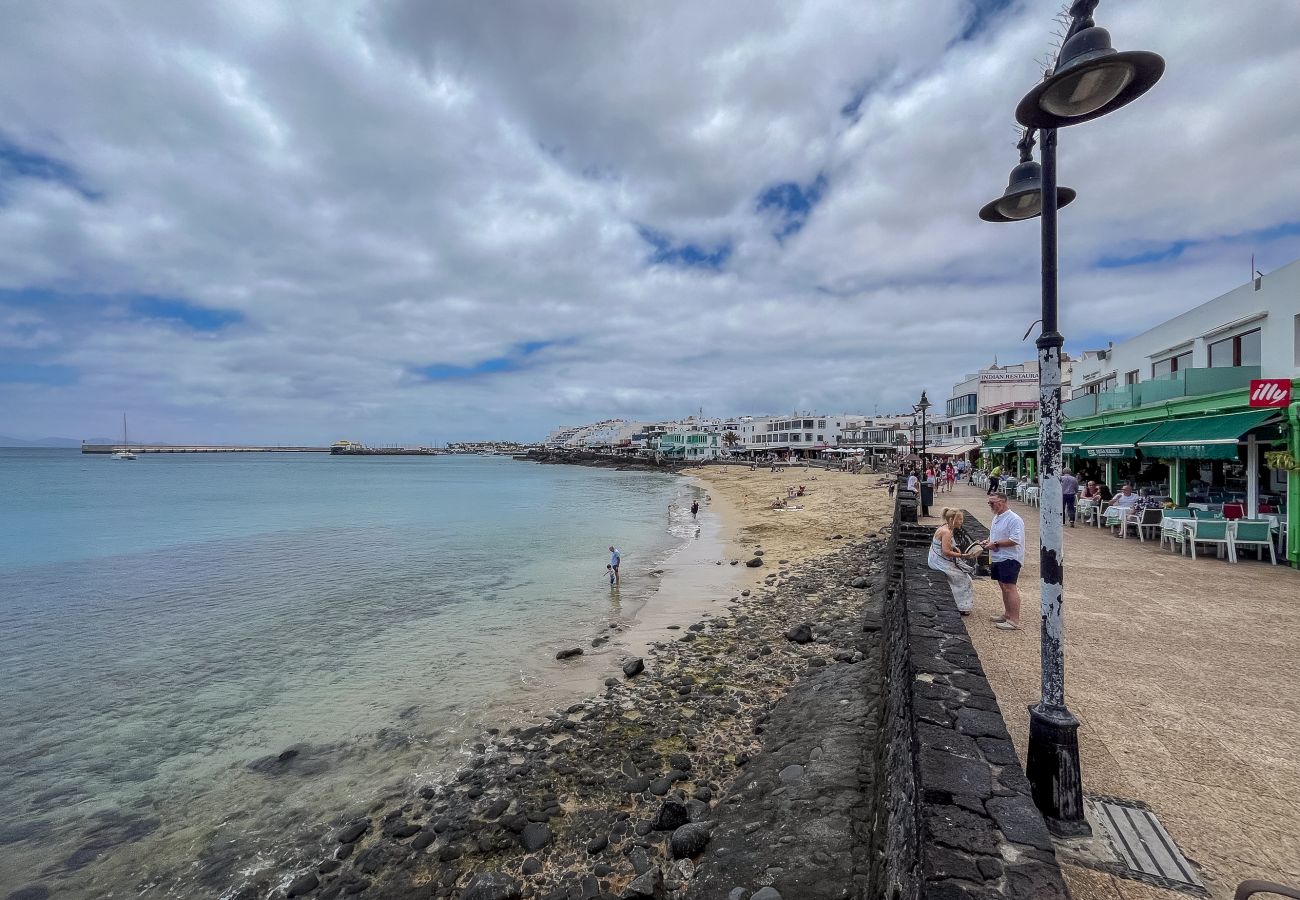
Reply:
x=405 y=220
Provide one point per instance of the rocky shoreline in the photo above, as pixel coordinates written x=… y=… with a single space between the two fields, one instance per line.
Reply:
x=749 y=731
x=601 y=460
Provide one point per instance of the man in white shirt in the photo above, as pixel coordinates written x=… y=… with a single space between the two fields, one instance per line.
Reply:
x=913 y=483
x=1006 y=545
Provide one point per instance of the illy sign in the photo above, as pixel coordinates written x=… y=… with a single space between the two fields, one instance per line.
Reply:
x=1270 y=392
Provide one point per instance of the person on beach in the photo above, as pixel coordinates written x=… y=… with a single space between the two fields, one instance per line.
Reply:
x=1006 y=544
x=695 y=508
x=615 y=557
x=944 y=556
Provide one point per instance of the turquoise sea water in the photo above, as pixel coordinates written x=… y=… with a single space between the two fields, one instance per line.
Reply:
x=168 y=626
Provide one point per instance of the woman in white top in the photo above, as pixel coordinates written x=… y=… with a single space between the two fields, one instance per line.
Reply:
x=943 y=558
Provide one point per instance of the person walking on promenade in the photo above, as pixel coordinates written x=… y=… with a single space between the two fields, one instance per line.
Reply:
x=944 y=556
x=1006 y=544
x=995 y=475
x=1069 y=492
x=615 y=557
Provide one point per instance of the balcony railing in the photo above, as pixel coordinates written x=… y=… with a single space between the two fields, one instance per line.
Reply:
x=1187 y=383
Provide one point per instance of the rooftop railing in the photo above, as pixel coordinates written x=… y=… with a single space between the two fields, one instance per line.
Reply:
x=1187 y=383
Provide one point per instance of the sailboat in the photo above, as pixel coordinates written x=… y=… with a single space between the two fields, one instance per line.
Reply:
x=125 y=451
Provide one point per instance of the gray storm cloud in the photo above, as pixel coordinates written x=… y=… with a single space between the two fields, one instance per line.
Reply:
x=422 y=221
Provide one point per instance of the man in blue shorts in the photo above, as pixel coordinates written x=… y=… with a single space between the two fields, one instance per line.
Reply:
x=614 y=559
x=1006 y=545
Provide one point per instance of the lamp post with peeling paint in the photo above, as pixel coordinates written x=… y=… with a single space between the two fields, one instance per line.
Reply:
x=1088 y=80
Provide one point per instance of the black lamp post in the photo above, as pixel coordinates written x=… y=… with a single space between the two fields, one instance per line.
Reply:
x=1088 y=80
x=921 y=408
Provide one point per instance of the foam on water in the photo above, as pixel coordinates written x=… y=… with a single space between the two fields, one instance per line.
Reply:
x=173 y=625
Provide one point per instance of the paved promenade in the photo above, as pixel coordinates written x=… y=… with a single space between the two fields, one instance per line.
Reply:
x=1186 y=679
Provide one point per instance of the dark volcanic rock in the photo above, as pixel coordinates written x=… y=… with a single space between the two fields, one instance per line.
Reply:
x=755 y=562
x=31 y=892
x=572 y=651
x=532 y=865
x=800 y=634
x=689 y=840
x=303 y=884
x=492 y=886
x=651 y=884
x=859 y=582
x=671 y=816
x=634 y=667
x=423 y=839
x=352 y=832
x=598 y=844
x=400 y=830
x=535 y=837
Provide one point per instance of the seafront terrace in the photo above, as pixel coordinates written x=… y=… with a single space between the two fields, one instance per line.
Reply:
x=1185 y=676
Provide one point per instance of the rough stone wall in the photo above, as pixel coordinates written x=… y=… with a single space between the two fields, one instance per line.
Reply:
x=954 y=818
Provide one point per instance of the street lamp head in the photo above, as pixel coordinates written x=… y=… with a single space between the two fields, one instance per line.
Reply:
x=924 y=404
x=1091 y=79
x=1023 y=198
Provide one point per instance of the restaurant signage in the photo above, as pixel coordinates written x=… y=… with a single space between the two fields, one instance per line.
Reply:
x=1270 y=392
x=1100 y=452
x=1009 y=377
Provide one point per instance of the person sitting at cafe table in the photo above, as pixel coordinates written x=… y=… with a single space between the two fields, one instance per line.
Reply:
x=1125 y=499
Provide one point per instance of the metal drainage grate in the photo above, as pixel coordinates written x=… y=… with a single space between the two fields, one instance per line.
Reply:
x=1144 y=849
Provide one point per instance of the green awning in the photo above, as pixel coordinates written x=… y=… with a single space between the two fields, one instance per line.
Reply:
x=1024 y=444
x=1070 y=440
x=1116 y=442
x=1202 y=437
x=994 y=445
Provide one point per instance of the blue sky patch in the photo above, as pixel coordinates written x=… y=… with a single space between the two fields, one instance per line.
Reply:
x=791 y=203
x=1172 y=250
x=182 y=312
x=696 y=256
x=17 y=162
x=981 y=15
x=515 y=360
x=36 y=373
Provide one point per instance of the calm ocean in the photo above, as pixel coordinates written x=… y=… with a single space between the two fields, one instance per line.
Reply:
x=166 y=624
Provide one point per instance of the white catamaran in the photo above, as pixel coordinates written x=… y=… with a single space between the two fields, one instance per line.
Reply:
x=125 y=451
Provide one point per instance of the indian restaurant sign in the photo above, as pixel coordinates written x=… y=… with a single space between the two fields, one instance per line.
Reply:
x=1270 y=392
x=1009 y=377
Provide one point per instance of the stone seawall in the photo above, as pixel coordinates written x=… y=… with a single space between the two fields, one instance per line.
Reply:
x=953 y=816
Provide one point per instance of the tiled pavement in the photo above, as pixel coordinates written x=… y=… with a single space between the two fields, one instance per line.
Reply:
x=1186 y=679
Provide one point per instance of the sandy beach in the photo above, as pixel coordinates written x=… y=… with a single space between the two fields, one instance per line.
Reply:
x=835 y=506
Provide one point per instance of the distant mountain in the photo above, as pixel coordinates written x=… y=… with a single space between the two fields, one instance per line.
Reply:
x=9 y=441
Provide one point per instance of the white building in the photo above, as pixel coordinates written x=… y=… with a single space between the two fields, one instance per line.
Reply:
x=799 y=434
x=1257 y=324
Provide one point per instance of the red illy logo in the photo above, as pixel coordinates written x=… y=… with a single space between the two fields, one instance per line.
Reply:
x=1270 y=392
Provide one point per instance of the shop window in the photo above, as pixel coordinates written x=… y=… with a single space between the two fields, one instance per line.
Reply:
x=1239 y=350
x=1171 y=365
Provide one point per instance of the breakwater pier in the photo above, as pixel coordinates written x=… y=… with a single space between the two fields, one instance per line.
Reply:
x=196 y=448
